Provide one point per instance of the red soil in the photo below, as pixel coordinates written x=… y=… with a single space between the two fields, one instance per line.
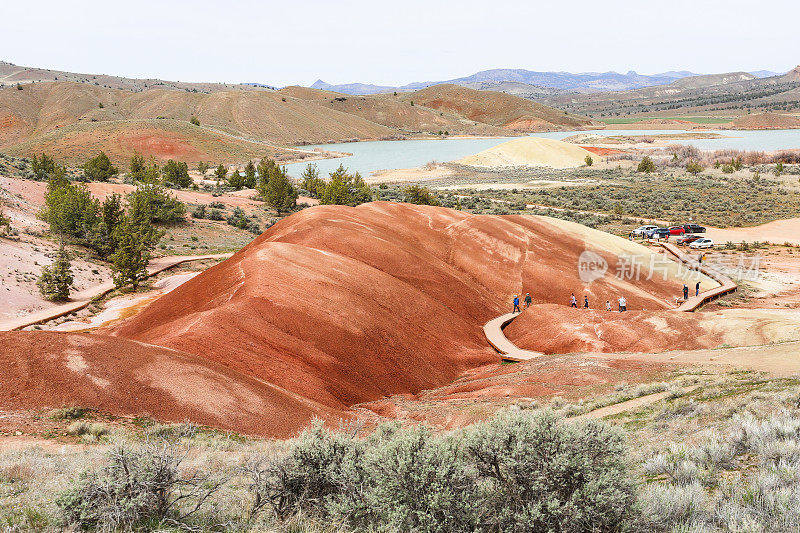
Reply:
x=483 y=391
x=129 y=378
x=159 y=144
x=559 y=329
x=348 y=305
x=602 y=151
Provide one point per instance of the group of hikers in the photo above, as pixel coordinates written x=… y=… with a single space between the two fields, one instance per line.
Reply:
x=573 y=302
x=528 y=301
x=686 y=290
x=622 y=303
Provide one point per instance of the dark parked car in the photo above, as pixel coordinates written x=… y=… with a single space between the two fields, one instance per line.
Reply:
x=688 y=239
x=694 y=228
x=658 y=233
x=676 y=230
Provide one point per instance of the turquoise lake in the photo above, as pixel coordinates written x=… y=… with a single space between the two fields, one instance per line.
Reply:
x=371 y=156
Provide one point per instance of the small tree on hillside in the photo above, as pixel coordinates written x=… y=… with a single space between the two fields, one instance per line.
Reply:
x=420 y=196
x=588 y=160
x=236 y=180
x=103 y=239
x=176 y=173
x=195 y=121
x=43 y=168
x=202 y=167
x=312 y=182
x=250 y=175
x=55 y=280
x=152 y=203
x=267 y=167
x=279 y=192
x=221 y=173
x=137 y=167
x=694 y=168
x=69 y=209
x=646 y=165
x=131 y=257
x=345 y=189
x=5 y=221
x=99 y=168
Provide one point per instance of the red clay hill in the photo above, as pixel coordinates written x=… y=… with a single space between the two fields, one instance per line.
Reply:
x=344 y=305
x=47 y=369
x=331 y=307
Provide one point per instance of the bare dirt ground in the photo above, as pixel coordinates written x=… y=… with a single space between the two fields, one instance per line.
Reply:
x=777 y=232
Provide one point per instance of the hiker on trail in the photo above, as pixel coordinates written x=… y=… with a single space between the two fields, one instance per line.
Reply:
x=573 y=302
x=700 y=259
x=527 y=300
x=585 y=302
x=608 y=305
x=516 y=305
x=623 y=304
x=685 y=292
x=697 y=289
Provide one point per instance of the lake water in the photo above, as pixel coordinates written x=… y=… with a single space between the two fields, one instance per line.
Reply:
x=370 y=156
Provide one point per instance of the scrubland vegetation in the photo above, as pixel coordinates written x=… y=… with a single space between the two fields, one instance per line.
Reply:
x=718 y=453
x=674 y=187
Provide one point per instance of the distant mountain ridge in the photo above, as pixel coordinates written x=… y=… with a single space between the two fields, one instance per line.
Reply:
x=529 y=83
x=564 y=81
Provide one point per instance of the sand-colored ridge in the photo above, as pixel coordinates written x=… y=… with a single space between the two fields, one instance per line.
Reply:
x=530 y=151
x=765 y=121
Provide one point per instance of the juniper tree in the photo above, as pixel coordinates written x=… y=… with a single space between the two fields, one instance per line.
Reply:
x=56 y=280
x=99 y=168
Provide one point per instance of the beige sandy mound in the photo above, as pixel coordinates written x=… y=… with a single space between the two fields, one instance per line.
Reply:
x=529 y=151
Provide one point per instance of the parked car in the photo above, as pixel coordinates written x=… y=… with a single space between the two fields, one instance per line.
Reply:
x=676 y=230
x=658 y=233
x=702 y=243
x=641 y=231
x=694 y=228
x=688 y=239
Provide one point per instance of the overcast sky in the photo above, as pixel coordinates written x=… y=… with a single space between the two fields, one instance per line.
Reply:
x=392 y=43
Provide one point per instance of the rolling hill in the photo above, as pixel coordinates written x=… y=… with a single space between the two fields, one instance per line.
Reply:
x=235 y=125
x=73 y=120
x=11 y=74
x=497 y=109
x=341 y=305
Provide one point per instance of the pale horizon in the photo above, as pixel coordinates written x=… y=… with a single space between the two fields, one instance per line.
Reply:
x=387 y=44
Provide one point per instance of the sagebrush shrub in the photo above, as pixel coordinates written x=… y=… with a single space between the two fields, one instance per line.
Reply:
x=518 y=472
x=137 y=486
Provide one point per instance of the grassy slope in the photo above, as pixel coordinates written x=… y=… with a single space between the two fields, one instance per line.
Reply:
x=73 y=119
x=31 y=119
x=496 y=109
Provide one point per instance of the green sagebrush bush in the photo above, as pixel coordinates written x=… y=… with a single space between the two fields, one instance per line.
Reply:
x=518 y=472
x=138 y=488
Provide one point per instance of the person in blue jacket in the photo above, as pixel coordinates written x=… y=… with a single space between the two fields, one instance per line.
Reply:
x=516 y=305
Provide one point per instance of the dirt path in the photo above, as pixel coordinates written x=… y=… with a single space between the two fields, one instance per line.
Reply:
x=84 y=298
x=508 y=350
x=726 y=285
x=628 y=405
